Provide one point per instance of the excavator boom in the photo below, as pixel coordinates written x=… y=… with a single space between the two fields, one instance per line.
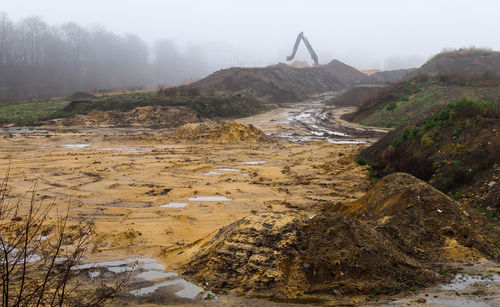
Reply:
x=309 y=47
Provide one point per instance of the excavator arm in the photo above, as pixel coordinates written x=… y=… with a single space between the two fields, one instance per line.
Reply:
x=309 y=47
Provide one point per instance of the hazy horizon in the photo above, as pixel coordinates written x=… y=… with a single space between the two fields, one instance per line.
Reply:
x=365 y=34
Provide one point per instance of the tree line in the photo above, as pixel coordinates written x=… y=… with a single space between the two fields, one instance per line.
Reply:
x=38 y=60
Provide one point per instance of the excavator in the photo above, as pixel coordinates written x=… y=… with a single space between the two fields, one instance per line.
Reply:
x=308 y=45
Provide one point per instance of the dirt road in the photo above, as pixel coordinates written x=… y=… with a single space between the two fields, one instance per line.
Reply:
x=313 y=120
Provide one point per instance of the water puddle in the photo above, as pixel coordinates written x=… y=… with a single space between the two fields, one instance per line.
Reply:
x=255 y=162
x=144 y=269
x=76 y=146
x=127 y=149
x=345 y=142
x=174 y=205
x=463 y=281
x=211 y=173
x=209 y=198
x=231 y=170
x=188 y=290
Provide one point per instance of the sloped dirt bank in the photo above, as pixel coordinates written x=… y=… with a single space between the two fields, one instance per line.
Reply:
x=291 y=255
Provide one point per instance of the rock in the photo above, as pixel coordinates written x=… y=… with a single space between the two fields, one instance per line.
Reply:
x=491 y=184
x=360 y=244
x=306 y=265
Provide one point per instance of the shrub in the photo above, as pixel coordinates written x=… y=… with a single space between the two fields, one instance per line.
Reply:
x=391 y=106
x=397 y=142
x=361 y=161
x=426 y=141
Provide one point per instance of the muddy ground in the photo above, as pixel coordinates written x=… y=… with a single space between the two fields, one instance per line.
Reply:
x=152 y=197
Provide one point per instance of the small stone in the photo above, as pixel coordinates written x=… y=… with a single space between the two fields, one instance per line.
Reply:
x=360 y=244
x=337 y=292
x=491 y=184
x=306 y=265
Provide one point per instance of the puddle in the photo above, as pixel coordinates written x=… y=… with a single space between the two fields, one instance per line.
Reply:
x=145 y=269
x=211 y=173
x=75 y=145
x=345 y=142
x=127 y=149
x=255 y=162
x=209 y=198
x=461 y=281
x=188 y=290
x=174 y=205
x=235 y=170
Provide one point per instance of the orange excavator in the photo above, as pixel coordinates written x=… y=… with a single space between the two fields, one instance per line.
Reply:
x=308 y=45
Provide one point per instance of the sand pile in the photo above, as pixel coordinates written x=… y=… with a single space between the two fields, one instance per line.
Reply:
x=290 y=254
x=220 y=133
x=144 y=117
x=423 y=221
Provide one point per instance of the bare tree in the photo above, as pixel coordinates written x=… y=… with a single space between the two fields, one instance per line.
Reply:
x=39 y=254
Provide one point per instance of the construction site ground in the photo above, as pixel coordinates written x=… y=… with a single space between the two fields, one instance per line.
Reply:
x=156 y=197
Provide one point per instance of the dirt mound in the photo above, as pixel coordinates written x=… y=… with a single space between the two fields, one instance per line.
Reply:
x=300 y=64
x=356 y=95
x=423 y=221
x=145 y=117
x=390 y=76
x=292 y=254
x=224 y=132
x=467 y=62
x=280 y=83
x=79 y=96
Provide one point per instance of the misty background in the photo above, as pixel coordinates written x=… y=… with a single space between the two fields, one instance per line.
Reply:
x=55 y=47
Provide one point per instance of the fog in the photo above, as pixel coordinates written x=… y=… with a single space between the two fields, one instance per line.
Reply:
x=208 y=35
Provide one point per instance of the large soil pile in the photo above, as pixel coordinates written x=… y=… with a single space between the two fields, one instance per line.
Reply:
x=466 y=62
x=356 y=95
x=423 y=221
x=224 y=132
x=280 y=83
x=292 y=254
x=145 y=117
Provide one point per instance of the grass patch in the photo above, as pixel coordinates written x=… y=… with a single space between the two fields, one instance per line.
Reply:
x=30 y=113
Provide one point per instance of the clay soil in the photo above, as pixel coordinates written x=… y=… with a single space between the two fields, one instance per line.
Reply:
x=120 y=178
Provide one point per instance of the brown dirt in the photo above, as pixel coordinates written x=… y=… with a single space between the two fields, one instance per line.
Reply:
x=289 y=254
x=280 y=83
x=144 y=117
x=423 y=221
x=356 y=95
x=224 y=132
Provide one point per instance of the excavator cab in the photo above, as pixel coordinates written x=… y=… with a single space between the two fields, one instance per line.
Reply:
x=309 y=47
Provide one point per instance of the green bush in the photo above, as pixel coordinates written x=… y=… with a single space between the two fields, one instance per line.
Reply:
x=391 y=106
x=362 y=161
x=397 y=142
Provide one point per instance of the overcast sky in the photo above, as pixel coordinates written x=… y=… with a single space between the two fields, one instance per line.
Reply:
x=382 y=34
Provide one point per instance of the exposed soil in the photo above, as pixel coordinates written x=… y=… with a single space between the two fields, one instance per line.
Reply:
x=280 y=83
x=143 y=117
x=424 y=222
x=220 y=133
x=278 y=197
x=292 y=255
